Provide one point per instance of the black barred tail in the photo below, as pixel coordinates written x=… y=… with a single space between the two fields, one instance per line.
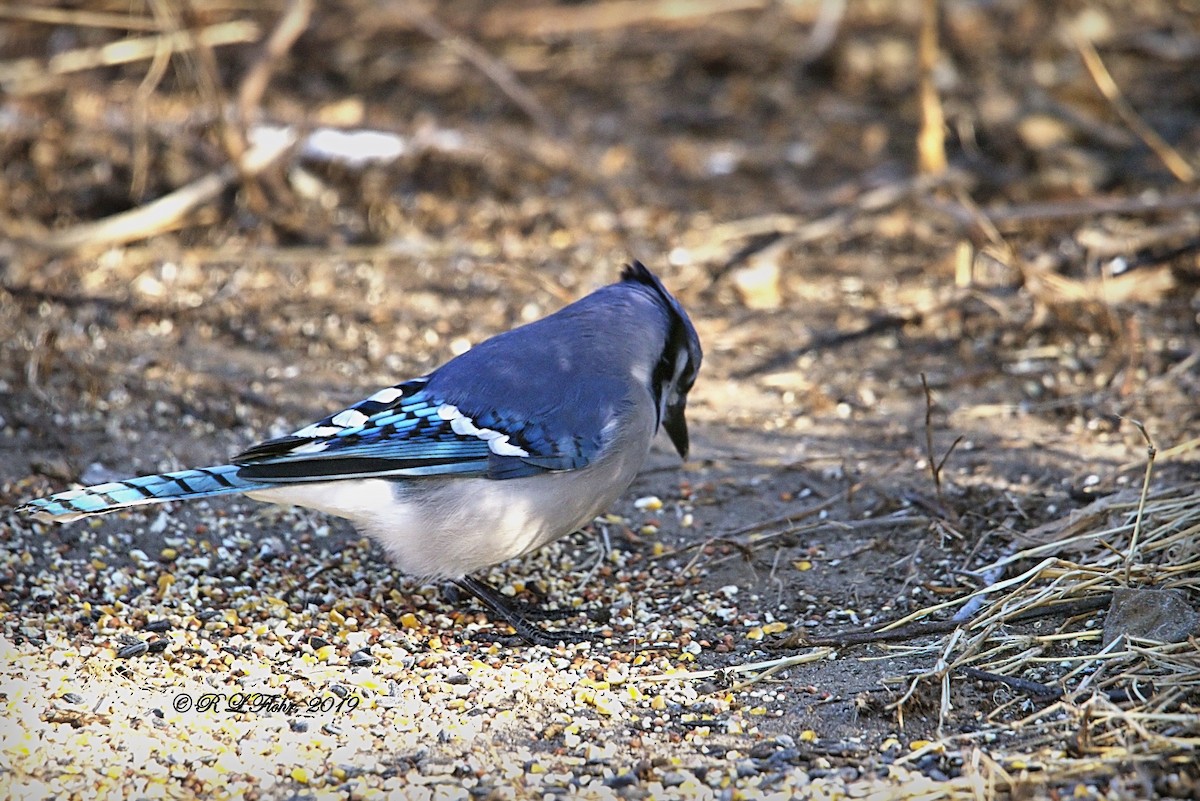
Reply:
x=201 y=482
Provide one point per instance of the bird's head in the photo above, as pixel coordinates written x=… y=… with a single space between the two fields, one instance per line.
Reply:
x=678 y=363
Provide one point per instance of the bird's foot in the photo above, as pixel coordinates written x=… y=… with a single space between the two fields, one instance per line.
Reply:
x=500 y=607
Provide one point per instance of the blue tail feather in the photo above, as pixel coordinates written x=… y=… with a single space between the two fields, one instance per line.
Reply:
x=201 y=482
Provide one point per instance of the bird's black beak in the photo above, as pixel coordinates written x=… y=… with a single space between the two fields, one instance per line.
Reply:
x=676 y=425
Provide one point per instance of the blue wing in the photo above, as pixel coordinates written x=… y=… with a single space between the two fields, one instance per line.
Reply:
x=408 y=430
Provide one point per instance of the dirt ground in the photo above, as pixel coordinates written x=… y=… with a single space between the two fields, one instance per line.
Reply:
x=1025 y=320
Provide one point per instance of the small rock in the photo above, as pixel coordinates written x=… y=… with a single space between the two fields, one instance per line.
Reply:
x=673 y=778
x=1160 y=615
x=52 y=467
x=622 y=780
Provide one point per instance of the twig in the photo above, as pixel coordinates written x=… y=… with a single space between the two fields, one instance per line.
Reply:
x=942 y=464
x=986 y=226
x=287 y=31
x=746 y=551
x=1168 y=155
x=1015 y=216
x=772 y=665
x=1150 y=245
x=1044 y=692
x=231 y=133
x=931 y=140
x=824 y=30
x=915 y=630
x=832 y=526
x=495 y=70
x=939 y=669
x=28 y=76
x=558 y=20
x=935 y=466
x=1033 y=688
x=1151 y=452
x=78 y=18
x=937 y=479
x=1098 y=673
x=1181 y=448
x=164 y=16
x=167 y=211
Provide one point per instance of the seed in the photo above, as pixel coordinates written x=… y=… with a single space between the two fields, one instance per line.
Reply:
x=133 y=649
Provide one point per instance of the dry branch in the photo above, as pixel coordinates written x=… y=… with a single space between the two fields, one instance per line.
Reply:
x=1174 y=238
x=1017 y=216
x=559 y=20
x=1108 y=87
x=30 y=75
x=931 y=140
x=493 y=68
x=1151 y=452
x=164 y=17
x=915 y=631
x=291 y=24
x=78 y=18
x=935 y=464
x=824 y=31
x=1143 y=286
x=167 y=211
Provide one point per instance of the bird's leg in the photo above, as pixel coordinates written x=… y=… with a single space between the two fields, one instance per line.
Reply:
x=498 y=606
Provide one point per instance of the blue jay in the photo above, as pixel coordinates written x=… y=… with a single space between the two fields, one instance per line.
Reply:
x=519 y=441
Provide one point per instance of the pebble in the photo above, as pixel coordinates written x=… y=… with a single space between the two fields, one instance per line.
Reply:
x=361 y=658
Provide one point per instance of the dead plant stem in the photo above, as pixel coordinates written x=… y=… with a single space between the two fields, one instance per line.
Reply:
x=1151 y=452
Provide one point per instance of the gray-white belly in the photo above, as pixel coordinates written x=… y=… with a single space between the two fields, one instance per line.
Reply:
x=450 y=527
